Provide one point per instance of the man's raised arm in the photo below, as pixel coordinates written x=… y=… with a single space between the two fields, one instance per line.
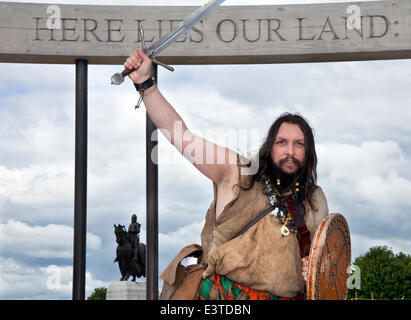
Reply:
x=216 y=162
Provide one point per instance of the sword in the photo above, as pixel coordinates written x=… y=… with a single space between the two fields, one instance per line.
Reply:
x=156 y=48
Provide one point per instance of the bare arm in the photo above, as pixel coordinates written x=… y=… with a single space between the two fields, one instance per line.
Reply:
x=216 y=162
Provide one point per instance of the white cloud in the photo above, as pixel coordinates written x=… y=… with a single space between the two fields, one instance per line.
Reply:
x=50 y=241
x=180 y=238
x=362 y=243
x=372 y=171
x=36 y=185
x=369 y=183
x=172 y=242
x=20 y=281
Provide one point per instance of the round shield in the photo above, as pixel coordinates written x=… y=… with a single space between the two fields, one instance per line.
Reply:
x=329 y=260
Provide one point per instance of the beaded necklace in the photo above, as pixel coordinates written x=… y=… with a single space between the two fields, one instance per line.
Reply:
x=277 y=199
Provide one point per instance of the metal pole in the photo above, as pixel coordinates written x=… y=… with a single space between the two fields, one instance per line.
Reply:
x=80 y=183
x=152 y=205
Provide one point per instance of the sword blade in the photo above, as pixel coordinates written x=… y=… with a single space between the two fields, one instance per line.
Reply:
x=157 y=47
x=170 y=37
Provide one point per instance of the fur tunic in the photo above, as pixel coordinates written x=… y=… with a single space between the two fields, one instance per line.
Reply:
x=261 y=258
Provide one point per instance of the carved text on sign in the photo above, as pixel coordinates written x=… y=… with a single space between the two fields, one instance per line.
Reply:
x=226 y=30
x=370 y=30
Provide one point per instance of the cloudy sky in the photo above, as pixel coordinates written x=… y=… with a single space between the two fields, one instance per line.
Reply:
x=360 y=112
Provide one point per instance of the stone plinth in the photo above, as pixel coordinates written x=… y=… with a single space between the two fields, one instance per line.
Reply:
x=125 y=290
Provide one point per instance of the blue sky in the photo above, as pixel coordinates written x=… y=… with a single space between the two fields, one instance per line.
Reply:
x=360 y=112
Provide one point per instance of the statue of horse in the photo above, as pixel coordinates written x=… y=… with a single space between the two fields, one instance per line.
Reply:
x=129 y=264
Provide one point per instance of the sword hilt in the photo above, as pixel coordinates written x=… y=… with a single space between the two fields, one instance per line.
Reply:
x=118 y=78
x=150 y=54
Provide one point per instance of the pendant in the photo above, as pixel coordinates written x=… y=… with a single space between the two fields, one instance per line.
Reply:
x=275 y=212
x=271 y=199
x=283 y=217
x=285 y=231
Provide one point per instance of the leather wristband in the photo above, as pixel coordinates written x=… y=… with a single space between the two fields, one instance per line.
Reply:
x=141 y=87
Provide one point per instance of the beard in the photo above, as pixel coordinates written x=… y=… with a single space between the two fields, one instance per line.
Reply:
x=286 y=178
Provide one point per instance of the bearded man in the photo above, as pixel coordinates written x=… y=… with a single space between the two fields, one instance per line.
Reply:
x=251 y=252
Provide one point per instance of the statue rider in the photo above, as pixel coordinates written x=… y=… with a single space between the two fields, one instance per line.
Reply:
x=134 y=233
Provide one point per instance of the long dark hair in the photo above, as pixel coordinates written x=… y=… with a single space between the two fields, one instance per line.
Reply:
x=308 y=175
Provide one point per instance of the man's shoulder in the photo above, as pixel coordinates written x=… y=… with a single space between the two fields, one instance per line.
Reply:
x=320 y=200
x=318 y=192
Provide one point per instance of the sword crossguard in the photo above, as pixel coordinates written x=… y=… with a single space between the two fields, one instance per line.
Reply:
x=143 y=43
x=170 y=68
x=151 y=53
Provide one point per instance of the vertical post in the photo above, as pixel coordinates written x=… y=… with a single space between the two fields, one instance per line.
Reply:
x=152 y=205
x=80 y=183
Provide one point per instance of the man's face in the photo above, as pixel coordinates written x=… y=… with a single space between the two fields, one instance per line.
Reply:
x=288 y=151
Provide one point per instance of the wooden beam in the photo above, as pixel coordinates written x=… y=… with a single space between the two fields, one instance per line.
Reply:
x=230 y=35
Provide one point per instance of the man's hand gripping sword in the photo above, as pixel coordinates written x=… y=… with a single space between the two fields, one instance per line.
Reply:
x=118 y=78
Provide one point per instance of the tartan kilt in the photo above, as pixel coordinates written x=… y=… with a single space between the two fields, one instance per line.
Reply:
x=217 y=287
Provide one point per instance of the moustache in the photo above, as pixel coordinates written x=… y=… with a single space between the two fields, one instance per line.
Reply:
x=289 y=159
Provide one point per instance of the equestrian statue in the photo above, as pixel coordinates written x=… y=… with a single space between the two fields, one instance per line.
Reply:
x=131 y=254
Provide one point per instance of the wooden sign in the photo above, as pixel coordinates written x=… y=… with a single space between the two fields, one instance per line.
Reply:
x=48 y=33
